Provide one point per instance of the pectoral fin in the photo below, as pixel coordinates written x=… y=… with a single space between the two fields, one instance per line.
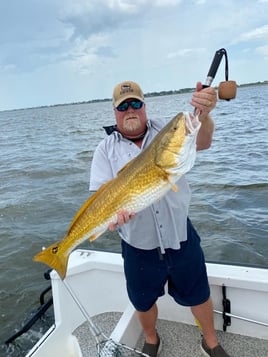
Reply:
x=173 y=186
x=95 y=236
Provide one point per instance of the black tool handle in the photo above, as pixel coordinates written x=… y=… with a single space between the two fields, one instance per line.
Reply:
x=214 y=67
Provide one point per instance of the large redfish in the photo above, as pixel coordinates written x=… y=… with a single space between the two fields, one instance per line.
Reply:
x=142 y=181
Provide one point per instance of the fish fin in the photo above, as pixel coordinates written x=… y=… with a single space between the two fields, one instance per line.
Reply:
x=55 y=257
x=174 y=187
x=95 y=236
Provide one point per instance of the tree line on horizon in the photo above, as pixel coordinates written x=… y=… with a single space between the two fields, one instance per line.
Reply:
x=162 y=93
x=148 y=95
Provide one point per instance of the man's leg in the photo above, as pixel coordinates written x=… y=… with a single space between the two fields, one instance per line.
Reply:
x=148 y=323
x=204 y=314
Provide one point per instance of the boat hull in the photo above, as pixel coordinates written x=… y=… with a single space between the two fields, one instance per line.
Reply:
x=97 y=278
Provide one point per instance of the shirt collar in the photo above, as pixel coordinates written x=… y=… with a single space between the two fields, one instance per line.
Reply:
x=112 y=129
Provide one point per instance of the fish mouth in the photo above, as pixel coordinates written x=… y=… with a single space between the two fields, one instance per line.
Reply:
x=192 y=122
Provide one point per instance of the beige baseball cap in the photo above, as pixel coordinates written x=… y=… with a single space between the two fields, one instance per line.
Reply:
x=125 y=90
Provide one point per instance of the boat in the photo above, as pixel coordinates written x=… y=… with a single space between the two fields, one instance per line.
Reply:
x=91 y=304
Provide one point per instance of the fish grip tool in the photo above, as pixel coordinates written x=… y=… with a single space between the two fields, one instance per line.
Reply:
x=227 y=89
x=105 y=346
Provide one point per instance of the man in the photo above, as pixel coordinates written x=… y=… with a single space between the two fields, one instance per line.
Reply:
x=159 y=244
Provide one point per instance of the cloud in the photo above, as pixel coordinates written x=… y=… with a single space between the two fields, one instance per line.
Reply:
x=84 y=43
x=256 y=34
x=101 y=16
x=186 y=52
x=28 y=21
x=85 y=55
x=105 y=51
x=30 y=34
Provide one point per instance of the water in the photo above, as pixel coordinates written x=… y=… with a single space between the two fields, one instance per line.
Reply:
x=45 y=166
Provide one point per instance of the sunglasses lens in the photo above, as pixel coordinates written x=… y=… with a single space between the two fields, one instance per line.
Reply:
x=135 y=104
x=122 y=107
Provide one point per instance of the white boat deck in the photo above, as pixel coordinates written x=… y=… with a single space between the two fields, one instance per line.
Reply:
x=97 y=278
x=178 y=339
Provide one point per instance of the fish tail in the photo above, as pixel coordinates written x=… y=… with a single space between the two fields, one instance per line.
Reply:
x=55 y=257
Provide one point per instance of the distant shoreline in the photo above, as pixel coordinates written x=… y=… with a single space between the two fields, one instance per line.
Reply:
x=146 y=95
x=156 y=94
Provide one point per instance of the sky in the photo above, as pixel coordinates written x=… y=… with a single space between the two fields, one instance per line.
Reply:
x=66 y=51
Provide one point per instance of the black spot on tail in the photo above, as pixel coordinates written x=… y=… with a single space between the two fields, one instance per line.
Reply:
x=55 y=249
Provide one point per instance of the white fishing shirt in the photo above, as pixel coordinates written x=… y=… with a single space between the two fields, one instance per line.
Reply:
x=162 y=225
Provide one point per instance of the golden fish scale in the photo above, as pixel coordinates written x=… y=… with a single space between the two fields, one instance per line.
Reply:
x=145 y=173
x=137 y=185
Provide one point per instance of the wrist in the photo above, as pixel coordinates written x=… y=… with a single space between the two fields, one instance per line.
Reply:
x=203 y=117
x=207 y=123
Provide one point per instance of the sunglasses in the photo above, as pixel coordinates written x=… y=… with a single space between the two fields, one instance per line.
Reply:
x=135 y=104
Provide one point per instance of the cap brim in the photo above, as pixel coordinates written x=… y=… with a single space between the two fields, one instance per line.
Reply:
x=128 y=96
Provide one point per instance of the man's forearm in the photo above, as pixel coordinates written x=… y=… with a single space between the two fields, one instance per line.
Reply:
x=205 y=134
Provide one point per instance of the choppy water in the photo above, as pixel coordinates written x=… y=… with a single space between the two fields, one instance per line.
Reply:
x=45 y=161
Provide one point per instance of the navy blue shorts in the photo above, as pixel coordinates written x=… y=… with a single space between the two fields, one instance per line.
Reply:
x=147 y=272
